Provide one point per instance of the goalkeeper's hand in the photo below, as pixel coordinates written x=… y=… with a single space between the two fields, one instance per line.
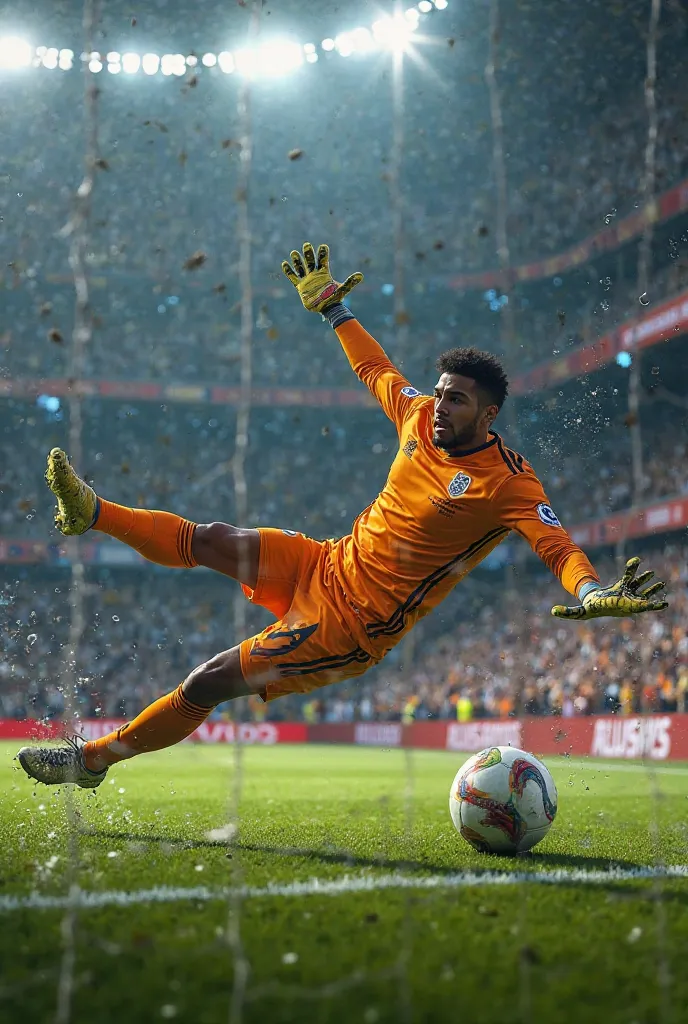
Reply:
x=619 y=599
x=312 y=278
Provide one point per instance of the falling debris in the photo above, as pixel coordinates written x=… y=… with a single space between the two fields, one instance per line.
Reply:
x=55 y=336
x=295 y=154
x=196 y=260
x=482 y=231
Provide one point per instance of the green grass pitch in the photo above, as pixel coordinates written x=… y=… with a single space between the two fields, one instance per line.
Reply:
x=406 y=931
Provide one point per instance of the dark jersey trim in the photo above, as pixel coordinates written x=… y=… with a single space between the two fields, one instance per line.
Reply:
x=396 y=621
x=305 y=668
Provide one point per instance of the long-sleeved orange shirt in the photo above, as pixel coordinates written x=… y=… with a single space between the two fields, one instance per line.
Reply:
x=438 y=515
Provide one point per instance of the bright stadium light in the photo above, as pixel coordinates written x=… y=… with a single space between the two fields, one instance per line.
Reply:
x=66 y=60
x=312 y=58
x=393 y=33
x=173 y=64
x=50 y=58
x=209 y=60
x=113 y=57
x=226 y=62
x=131 y=62
x=150 y=62
x=441 y=5
x=15 y=53
x=309 y=47
x=424 y=6
x=327 y=44
x=191 y=60
x=412 y=15
x=114 y=69
x=277 y=57
x=95 y=66
x=358 y=41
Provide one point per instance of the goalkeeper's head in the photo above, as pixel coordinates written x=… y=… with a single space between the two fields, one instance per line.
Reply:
x=470 y=392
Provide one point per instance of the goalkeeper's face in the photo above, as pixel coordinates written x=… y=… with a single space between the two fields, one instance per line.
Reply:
x=461 y=419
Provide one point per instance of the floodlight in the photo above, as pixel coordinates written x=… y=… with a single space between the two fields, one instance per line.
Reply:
x=277 y=57
x=424 y=6
x=309 y=47
x=15 y=53
x=327 y=44
x=66 y=54
x=114 y=69
x=173 y=64
x=150 y=62
x=441 y=5
x=95 y=66
x=113 y=57
x=66 y=63
x=209 y=60
x=312 y=58
x=359 y=40
x=191 y=61
x=393 y=33
x=50 y=58
x=131 y=62
x=226 y=62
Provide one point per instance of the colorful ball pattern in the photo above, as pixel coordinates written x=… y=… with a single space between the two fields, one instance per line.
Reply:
x=503 y=800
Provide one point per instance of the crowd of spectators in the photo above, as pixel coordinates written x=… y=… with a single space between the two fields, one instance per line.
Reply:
x=166 y=190
x=161 y=249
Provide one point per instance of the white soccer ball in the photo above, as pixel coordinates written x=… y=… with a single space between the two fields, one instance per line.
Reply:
x=503 y=800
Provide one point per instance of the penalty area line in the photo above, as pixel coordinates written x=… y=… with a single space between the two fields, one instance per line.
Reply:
x=82 y=899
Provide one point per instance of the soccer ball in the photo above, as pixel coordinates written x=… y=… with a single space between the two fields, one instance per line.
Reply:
x=503 y=800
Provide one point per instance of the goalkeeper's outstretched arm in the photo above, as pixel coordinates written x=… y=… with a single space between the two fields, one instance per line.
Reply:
x=320 y=293
x=523 y=506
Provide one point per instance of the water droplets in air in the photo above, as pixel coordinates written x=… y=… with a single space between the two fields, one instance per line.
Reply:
x=643 y=299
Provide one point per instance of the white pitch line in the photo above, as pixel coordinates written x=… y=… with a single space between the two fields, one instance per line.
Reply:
x=86 y=900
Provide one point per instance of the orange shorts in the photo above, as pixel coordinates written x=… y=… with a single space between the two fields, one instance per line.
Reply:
x=311 y=644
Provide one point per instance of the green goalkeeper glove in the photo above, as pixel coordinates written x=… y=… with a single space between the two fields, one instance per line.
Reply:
x=620 y=599
x=313 y=280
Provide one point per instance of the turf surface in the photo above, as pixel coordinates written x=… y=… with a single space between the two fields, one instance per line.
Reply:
x=582 y=946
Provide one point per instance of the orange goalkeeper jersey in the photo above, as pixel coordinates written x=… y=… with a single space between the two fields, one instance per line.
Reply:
x=437 y=516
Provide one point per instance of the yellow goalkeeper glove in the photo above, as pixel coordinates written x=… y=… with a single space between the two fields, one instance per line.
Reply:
x=313 y=280
x=620 y=599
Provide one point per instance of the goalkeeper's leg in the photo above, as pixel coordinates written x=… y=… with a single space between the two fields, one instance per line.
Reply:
x=163 y=723
x=173 y=717
x=161 y=537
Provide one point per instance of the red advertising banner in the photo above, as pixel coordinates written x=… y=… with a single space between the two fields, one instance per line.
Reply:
x=658 y=518
x=652 y=737
x=660 y=209
x=663 y=321
x=655 y=737
x=253 y=733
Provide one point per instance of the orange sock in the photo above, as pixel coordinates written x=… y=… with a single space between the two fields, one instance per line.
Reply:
x=165 y=722
x=160 y=537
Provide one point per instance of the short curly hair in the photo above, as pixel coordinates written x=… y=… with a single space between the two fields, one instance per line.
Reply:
x=482 y=367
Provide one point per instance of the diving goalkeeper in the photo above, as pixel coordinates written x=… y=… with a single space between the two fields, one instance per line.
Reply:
x=454 y=492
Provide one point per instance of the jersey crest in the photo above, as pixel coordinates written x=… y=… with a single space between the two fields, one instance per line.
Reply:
x=459 y=485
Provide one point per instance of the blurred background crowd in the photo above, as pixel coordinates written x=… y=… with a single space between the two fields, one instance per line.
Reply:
x=165 y=309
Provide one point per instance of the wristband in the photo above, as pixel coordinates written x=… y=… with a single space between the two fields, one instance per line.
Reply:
x=587 y=588
x=337 y=314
